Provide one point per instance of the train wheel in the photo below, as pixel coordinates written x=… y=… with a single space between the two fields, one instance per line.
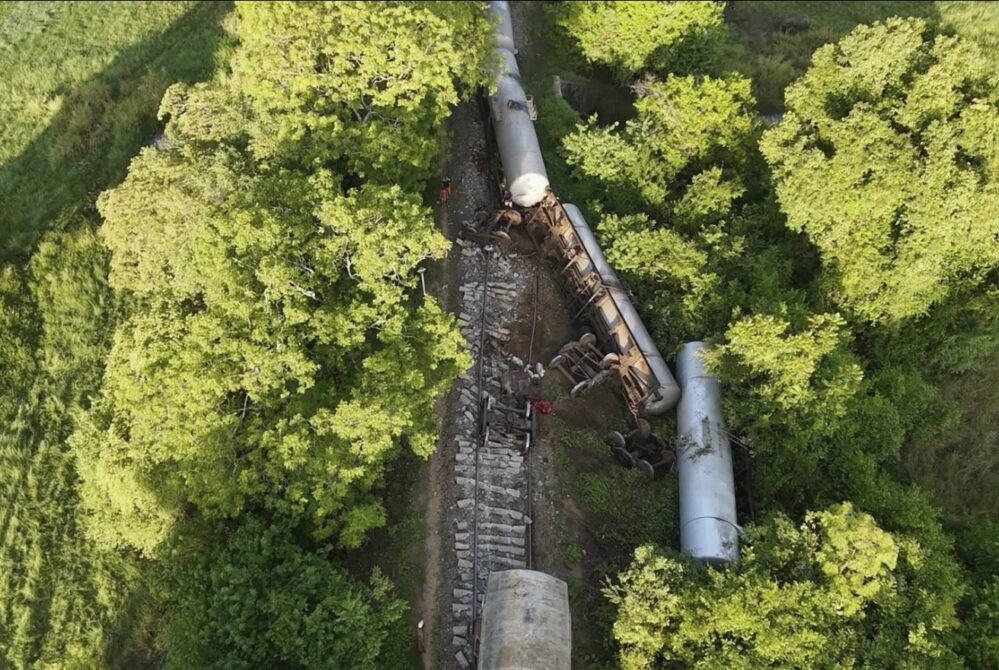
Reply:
x=512 y=217
x=615 y=440
x=646 y=468
x=579 y=388
x=558 y=361
x=588 y=339
x=602 y=376
x=623 y=457
x=609 y=361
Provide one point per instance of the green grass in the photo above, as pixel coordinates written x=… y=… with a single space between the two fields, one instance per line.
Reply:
x=758 y=49
x=572 y=553
x=961 y=470
x=80 y=89
x=622 y=510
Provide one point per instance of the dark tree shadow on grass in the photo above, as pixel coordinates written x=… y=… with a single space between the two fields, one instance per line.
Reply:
x=54 y=183
x=765 y=45
x=52 y=186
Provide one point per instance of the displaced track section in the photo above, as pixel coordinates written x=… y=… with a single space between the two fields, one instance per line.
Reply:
x=494 y=433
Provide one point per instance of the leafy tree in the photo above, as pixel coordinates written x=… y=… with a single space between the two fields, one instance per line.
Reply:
x=823 y=594
x=886 y=159
x=271 y=329
x=684 y=125
x=805 y=376
x=271 y=353
x=258 y=599
x=981 y=632
x=978 y=547
x=634 y=36
x=264 y=344
x=364 y=85
x=669 y=184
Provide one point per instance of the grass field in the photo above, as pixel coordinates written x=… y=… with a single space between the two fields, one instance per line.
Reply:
x=773 y=58
x=962 y=469
x=80 y=89
x=608 y=511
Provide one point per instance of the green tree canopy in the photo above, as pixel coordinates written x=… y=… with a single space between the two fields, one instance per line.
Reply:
x=802 y=378
x=887 y=160
x=834 y=592
x=684 y=125
x=364 y=85
x=634 y=36
x=673 y=182
x=257 y=599
x=272 y=351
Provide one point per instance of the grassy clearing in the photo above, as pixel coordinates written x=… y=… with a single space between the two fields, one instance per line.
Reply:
x=962 y=469
x=773 y=58
x=81 y=87
x=618 y=510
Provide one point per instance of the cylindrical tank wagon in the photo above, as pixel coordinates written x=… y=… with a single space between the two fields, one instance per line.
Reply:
x=649 y=386
x=643 y=369
x=708 y=528
x=520 y=153
x=526 y=624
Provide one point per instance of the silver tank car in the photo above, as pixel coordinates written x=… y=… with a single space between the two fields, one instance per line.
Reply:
x=523 y=165
x=526 y=623
x=639 y=355
x=708 y=527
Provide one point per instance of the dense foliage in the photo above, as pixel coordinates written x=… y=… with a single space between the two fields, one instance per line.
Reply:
x=202 y=394
x=80 y=90
x=206 y=392
x=631 y=36
x=258 y=599
x=842 y=273
x=887 y=160
x=834 y=592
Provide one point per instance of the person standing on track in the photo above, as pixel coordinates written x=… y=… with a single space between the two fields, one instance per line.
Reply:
x=445 y=193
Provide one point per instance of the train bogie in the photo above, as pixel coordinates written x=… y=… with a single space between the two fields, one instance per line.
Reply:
x=648 y=385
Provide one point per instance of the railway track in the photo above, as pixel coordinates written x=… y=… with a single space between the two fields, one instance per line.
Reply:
x=493 y=436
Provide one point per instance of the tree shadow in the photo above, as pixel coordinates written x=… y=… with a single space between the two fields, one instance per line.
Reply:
x=86 y=148
x=52 y=185
x=772 y=42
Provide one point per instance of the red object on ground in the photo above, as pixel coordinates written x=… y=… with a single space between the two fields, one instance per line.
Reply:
x=445 y=194
x=542 y=406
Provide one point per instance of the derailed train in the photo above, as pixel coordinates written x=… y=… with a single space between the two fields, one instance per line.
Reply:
x=709 y=531
x=707 y=489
